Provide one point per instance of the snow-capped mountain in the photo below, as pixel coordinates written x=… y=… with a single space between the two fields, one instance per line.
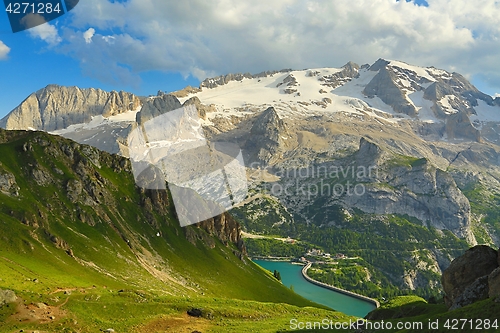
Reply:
x=436 y=104
x=441 y=105
x=428 y=138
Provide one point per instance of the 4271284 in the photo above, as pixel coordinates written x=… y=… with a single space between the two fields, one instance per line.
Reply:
x=33 y=8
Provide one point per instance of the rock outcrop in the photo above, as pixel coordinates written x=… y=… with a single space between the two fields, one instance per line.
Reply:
x=415 y=188
x=383 y=86
x=458 y=126
x=6 y=297
x=55 y=107
x=201 y=108
x=477 y=291
x=224 y=227
x=224 y=79
x=494 y=283
x=467 y=279
x=8 y=183
x=157 y=106
x=348 y=72
x=268 y=135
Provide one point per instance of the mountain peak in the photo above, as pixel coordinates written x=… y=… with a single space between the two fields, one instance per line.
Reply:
x=268 y=135
x=379 y=64
x=56 y=107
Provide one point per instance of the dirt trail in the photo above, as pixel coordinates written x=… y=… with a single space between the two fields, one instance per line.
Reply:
x=39 y=313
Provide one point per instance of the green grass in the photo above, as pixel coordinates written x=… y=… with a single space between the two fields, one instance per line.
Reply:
x=132 y=312
x=416 y=310
x=50 y=243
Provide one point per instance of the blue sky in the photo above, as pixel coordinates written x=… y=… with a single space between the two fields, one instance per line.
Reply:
x=143 y=46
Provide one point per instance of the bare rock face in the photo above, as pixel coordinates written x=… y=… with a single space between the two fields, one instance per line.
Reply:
x=458 y=125
x=268 y=136
x=348 y=72
x=157 y=106
x=55 y=107
x=475 y=263
x=186 y=91
x=223 y=226
x=419 y=190
x=369 y=153
x=119 y=102
x=8 y=184
x=475 y=292
x=383 y=85
x=494 y=283
x=224 y=79
x=202 y=109
x=6 y=297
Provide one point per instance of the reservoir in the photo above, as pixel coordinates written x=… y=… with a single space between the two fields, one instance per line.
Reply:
x=291 y=276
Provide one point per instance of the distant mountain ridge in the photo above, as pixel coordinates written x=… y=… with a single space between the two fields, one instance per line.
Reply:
x=56 y=107
x=438 y=104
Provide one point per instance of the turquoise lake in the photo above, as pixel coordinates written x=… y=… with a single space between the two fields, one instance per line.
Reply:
x=291 y=276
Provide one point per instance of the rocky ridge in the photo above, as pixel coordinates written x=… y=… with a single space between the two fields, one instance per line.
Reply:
x=89 y=190
x=55 y=107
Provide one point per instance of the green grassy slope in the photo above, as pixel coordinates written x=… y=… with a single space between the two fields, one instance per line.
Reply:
x=79 y=235
x=481 y=316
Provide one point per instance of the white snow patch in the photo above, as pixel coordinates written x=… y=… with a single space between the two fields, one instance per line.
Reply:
x=248 y=96
x=486 y=113
x=420 y=71
x=355 y=87
x=97 y=121
x=445 y=103
x=423 y=106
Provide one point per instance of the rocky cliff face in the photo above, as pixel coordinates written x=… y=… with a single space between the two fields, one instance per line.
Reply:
x=384 y=86
x=223 y=227
x=155 y=107
x=417 y=189
x=79 y=174
x=268 y=138
x=202 y=109
x=453 y=98
x=55 y=107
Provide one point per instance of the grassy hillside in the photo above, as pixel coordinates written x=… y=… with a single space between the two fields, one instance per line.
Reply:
x=412 y=310
x=82 y=244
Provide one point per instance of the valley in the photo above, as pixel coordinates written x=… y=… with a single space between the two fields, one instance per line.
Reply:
x=141 y=214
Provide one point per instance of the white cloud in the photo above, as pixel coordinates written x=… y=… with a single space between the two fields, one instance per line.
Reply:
x=41 y=29
x=497 y=95
x=87 y=35
x=197 y=37
x=4 y=50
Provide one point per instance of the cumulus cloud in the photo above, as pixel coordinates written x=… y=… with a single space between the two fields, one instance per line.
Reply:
x=41 y=29
x=200 y=38
x=87 y=35
x=4 y=50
